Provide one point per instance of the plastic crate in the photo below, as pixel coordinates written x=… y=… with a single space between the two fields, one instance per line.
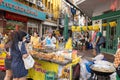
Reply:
x=50 y=75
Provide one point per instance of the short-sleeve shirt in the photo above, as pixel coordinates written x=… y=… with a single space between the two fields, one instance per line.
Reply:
x=99 y=34
x=35 y=40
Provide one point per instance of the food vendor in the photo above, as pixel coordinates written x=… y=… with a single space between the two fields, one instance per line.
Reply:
x=35 y=39
x=50 y=40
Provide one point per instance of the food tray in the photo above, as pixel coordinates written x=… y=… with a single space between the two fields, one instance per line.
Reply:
x=102 y=73
x=57 y=62
x=61 y=62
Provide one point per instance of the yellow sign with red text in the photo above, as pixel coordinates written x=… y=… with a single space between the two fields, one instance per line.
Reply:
x=40 y=68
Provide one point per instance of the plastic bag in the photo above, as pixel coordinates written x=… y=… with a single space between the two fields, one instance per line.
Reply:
x=83 y=70
x=113 y=76
x=28 y=62
x=99 y=57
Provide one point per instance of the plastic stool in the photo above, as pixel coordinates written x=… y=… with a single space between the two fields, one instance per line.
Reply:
x=50 y=75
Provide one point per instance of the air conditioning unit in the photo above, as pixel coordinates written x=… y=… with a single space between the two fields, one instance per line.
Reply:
x=39 y=3
x=32 y=1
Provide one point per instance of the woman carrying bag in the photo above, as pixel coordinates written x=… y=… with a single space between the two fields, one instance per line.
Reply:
x=17 y=54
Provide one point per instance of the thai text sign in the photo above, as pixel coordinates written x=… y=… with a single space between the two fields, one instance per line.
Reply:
x=16 y=7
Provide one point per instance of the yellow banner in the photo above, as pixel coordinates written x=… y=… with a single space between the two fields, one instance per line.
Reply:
x=40 y=68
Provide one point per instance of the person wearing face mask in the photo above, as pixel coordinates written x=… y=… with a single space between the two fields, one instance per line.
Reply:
x=18 y=51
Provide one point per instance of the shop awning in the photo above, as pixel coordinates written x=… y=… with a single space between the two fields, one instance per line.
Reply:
x=89 y=6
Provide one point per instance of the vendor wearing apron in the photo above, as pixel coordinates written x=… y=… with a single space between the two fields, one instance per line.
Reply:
x=50 y=40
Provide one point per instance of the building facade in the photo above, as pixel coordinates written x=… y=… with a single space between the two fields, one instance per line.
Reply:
x=52 y=8
x=29 y=15
x=14 y=13
x=104 y=15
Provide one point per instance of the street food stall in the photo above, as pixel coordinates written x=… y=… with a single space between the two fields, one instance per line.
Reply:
x=52 y=64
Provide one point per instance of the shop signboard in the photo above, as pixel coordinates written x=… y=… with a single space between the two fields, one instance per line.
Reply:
x=40 y=68
x=15 y=17
x=18 y=8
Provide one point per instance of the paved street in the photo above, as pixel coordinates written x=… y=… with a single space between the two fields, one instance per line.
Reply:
x=88 y=54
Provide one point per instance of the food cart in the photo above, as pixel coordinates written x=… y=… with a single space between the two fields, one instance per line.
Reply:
x=52 y=65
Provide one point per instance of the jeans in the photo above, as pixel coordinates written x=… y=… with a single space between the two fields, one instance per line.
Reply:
x=97 y=48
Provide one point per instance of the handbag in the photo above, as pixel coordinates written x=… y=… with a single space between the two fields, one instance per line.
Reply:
x=28 y=61
x=118 y=70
